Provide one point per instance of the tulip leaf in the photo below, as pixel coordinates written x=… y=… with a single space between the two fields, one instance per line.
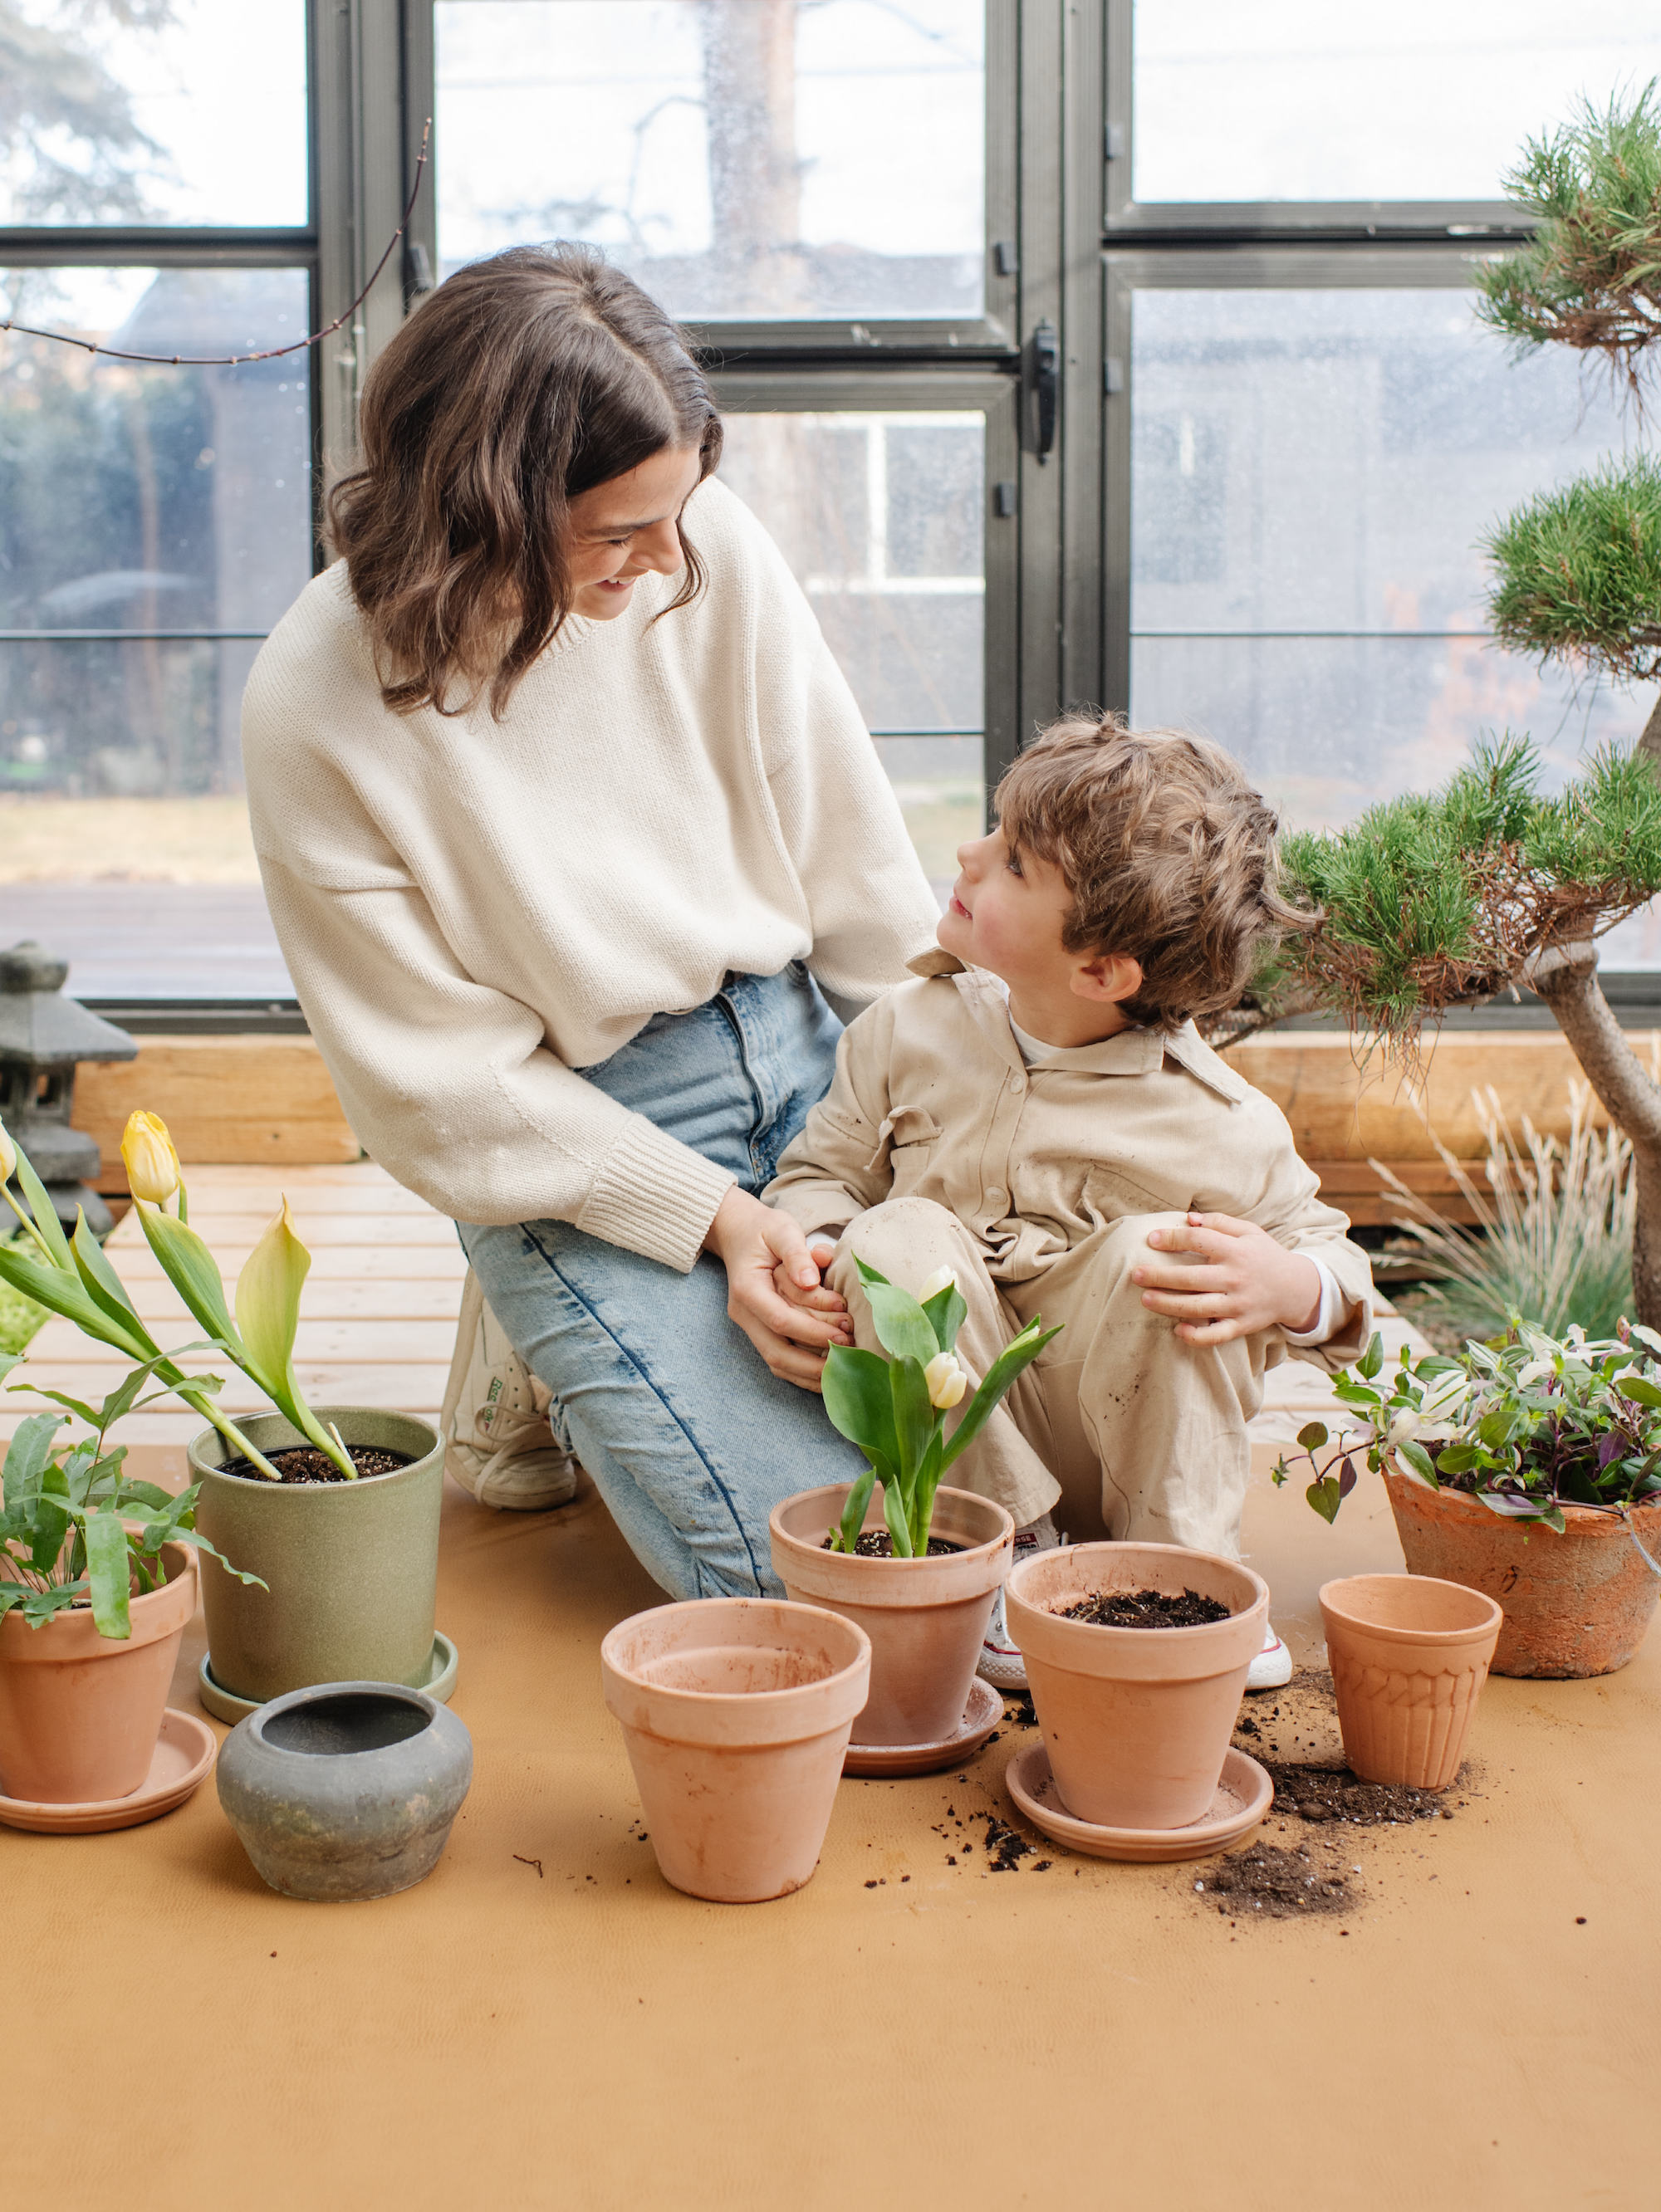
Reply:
x=849 y=1529
x=191 y=1269
x=923 y=1495
x=268 y=1298
x=1012 y=1361
x=946 y=1312
x=860 y=1404
x=109 y=1573
x=902 y=1327
x=98 y=1279
x=867 y=1275
x=893 y=1511
x=61 y=1292
x=44 y=1213
x=913 y=1419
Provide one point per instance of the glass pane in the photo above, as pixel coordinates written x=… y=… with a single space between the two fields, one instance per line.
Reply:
x=154 y=111
x=137 y=504
x=740 y=158
x=880 y=517
x=1312 y=473
x=1298 y=99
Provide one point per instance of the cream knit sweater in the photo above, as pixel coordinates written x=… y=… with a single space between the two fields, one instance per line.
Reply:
x=471 y=910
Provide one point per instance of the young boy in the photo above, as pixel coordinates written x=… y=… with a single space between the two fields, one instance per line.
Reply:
x=1038 y=1113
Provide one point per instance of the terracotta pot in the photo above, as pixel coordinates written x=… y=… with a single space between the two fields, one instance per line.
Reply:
x=352 y=1566
x=80 y=1713
x=1409 y=1655
x=1136 y=1720
x=926 y=1618
x=736 y=1711
x=1576 y=1604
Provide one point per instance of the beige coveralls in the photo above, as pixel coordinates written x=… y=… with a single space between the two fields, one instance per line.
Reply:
x=937 y=1146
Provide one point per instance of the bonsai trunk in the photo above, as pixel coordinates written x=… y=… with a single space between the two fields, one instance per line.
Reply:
x=1566 y=977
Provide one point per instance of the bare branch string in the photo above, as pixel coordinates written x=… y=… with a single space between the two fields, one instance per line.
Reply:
x=271 y=353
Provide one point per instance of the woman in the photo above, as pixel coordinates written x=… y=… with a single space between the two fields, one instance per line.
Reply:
x=565 y=814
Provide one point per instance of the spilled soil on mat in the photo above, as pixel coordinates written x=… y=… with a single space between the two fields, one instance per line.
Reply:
x=1269 y=1883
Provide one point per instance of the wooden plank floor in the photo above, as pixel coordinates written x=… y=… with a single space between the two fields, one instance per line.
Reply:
x=377 y=1314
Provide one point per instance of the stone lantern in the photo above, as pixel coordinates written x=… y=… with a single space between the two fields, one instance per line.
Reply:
x=42 y=1035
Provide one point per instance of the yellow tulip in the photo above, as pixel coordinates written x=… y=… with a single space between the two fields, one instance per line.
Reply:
x=152 y=1164
x=8 y=1155
x=946 y=1381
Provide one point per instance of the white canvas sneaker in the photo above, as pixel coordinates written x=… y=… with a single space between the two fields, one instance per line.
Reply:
x=1001 y=1664
x=1272 y=1668
x=497 y=1442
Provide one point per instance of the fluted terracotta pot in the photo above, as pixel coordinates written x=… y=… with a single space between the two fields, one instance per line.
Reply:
x=1136 y=1720
x=1409 y=1655
x=736 y=1712
x=80 y=1712
x=926 y=1618
x=1574 y=1604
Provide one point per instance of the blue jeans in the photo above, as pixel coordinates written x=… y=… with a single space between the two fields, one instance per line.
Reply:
x=690 y=1439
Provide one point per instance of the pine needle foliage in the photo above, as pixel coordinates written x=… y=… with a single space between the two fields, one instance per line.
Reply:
x=1577 y=571
x=1434 y=900
x=1591 y=276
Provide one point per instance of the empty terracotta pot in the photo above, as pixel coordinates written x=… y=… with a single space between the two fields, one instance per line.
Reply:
x=1136 y=1720
x=1575 y=1604
x=737 y=1712
x=1409 y=1655
x=926 y=1618
x=80 y=1713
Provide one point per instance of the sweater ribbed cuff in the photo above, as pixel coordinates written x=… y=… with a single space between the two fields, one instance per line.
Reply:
x=656 y=1197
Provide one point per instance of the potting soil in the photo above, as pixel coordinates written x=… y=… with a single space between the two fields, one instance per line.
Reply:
x=1148 y=1608
x=877 y=1544
x=303 y=1463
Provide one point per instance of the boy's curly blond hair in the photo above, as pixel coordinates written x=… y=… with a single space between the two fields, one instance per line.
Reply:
x=1167 y=850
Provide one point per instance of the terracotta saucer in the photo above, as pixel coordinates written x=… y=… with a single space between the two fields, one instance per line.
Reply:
x=225 y=1705
x=1244 y=1796
x=981 y=1716
x=183 y=1752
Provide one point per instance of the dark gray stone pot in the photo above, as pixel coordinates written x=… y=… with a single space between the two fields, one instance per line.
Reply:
x=346 y=1790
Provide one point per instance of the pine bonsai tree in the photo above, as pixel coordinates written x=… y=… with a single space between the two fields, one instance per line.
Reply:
x=1432 y=901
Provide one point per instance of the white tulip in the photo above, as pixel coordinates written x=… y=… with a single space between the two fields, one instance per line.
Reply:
x=943 y=1278
x=8 y=1155
x=946 y=1381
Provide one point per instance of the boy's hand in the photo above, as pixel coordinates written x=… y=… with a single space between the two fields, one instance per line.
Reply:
x=762 y=1249
x=1246 y=1281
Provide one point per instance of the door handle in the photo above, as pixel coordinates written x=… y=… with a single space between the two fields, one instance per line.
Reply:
x=1046 y=384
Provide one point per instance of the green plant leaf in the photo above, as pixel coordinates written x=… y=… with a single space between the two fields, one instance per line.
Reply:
x=1636 y=1387
x=893 y=1512
x=61 y=1291
x=267 y=1299
x=52 y=1518
x=946 y=1312
x=923 y=1495
x=1016 y=1356
x=852 y=1524
x=28 y=1455
x=1419 y=1460
x=1313 y=1436
x=109 y=1573
x=860 y=1402
x=44 y=1214
x=1324 y=1496
x=76 y=1406
x=1372 y=1358
x=902 y=1326
x=867 y=1275
x=98 y=1279
x=913 y=1419
x=191 y=1269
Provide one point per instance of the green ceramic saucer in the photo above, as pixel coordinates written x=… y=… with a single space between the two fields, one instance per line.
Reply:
x=439 y=1682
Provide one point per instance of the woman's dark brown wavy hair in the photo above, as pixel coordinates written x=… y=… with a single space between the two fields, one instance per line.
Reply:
x=525 y=380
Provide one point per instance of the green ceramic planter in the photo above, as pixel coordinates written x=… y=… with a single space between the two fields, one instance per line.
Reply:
x=353 y=1566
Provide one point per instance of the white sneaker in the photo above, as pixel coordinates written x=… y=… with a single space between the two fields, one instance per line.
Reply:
x=1272 y=1668
x=497 y=1440
x=1001 y=1664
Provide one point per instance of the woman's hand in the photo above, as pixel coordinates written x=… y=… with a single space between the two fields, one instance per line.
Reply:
x=1248 y=1281
x=774 y=1291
